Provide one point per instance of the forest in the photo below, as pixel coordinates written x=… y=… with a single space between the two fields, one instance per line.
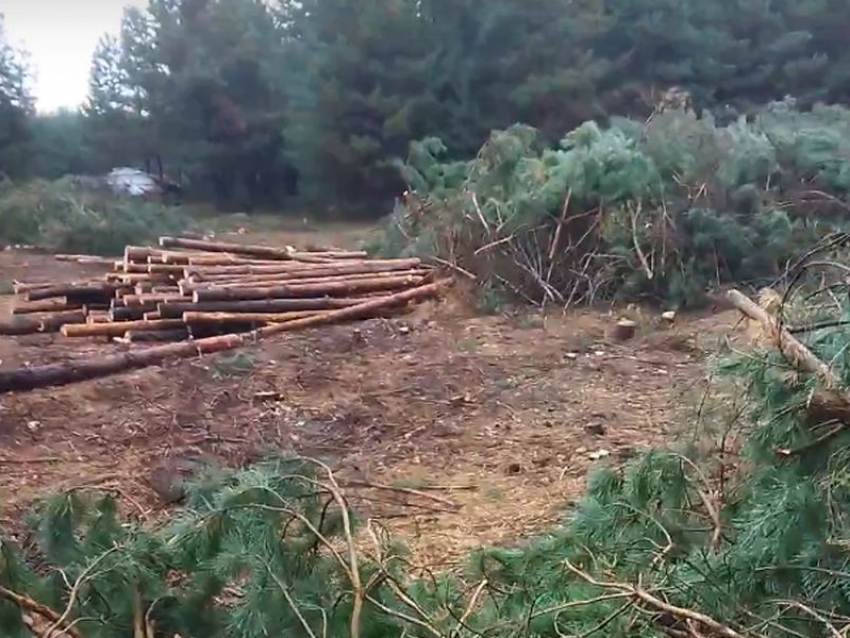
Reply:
x=253 y=104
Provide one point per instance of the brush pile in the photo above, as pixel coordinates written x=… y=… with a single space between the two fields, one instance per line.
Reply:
x=190 y=289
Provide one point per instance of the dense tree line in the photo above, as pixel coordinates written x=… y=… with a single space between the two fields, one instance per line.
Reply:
x=252 y=102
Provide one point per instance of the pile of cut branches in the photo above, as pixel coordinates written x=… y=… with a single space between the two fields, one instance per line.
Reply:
x=665 y=210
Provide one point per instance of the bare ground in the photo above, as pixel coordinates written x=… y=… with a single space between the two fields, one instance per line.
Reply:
x=506 y=414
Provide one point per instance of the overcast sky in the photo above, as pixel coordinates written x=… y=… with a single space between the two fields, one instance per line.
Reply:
x=61 y=36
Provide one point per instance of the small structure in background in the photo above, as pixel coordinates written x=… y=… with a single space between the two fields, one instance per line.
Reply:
x=133 y=182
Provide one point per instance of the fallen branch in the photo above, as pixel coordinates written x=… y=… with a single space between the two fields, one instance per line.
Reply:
x=644 y=596
x=829 y=403
x=43 y=611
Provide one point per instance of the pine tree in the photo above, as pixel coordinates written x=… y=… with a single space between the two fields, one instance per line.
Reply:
x=16 y=108
x=363 y=90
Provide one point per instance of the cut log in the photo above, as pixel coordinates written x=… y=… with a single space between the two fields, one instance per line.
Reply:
x=74 y=291
x=303 y=270
x=169 y=269
x=118 y=328
x=133 y=278
x=94 y=307
x=23 y=287
x=46 y=305
x=153 y=315
x=130 y=313
x=175 y=310
x=19 y=326
x=274 y=281
x=85 y=259
x=23 y=379
x=213 y=260
x=154 y=336
x=257 y=251
x=309 y=290
x=55 y=323
x=246 y=317
x=152 y=298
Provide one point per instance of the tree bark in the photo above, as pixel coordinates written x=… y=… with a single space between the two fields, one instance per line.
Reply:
x=74 y=291
x=308 y=290
x=118 y=328
x=175 y=310
x=303 y=270
x=46 y=305
x=152 y=298
x=24 y=379
x=257 y=251
x=130 y=313
x=831 y=403
x=246 y=317
x=19 y=325
x=54 y=323
x=273 y=281
x=155 y=336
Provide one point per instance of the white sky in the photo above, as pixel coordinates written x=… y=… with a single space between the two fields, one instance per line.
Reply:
x=60 y=36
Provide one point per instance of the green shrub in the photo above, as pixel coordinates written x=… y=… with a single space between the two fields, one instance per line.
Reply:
x=665 y=210
x=61 y=217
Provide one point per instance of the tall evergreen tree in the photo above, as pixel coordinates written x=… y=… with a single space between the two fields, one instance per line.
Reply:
x=117 y=126
x=16 y=108
x=364 y=88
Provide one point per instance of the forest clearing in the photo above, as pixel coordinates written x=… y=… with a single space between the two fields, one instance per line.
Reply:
x=511 y=409
x=425 y=319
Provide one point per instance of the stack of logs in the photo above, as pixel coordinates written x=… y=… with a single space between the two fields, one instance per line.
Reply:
x=193 y=289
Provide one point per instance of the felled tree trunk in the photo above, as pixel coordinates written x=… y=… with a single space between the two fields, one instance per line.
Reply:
x=118 y=328
x=60 y=374
x=832 y=402
x=306 y=290
x=257 y=251
x=175 y=310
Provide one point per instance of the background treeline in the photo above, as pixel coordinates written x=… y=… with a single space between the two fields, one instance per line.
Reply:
x=250 y=103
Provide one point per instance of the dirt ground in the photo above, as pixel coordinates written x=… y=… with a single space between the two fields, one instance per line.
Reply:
x=504 y=414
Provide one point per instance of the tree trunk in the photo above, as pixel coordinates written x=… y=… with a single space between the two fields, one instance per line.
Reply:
x=155 y=336
x=130 y=313
x=246 y=317
x=175 y=310
x=302 y=270
x=273 y=281
x=117 y=329
x=257 y=251
x=60 y=374
x=54 y=323
x=151 y=298
x=309 y=290
x=46 y=305
x=89 y=291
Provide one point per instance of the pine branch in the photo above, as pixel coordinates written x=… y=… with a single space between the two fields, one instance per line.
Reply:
x=644 y=596
x=34 y=607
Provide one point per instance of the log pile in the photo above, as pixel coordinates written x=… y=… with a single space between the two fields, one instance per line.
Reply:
x=190 y=288
x=206 y=297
